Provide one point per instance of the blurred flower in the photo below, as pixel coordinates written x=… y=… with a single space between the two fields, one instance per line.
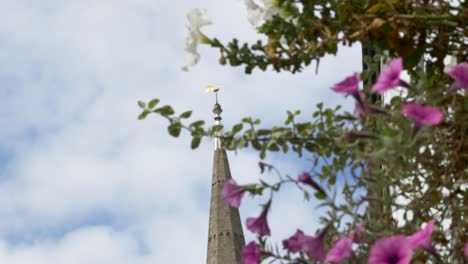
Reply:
x=391 y=250
x=466 y=249
x=389 y=77
x=314 y=246
x=306 y=178
x=251 y=253
x=341 y=250
x=259 y=225
x=358 y=232
x=256 y=14
x=422 y=238
x=295 y=243
x=264 y=165
x=459 y=73
x=422 y=115
x=362 y=108
x=359 y=111
x=349 y=86
x=232 y=193
x=197 y=19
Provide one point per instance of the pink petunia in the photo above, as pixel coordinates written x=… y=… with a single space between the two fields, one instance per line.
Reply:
x=306 y=178
x=422 y=115
x=295 y=243
x=389 y=78
x=459 y=73
x=422 y=238
x=251 y=253
x=391 y=250
x=363 y=108
x=358 y=233
x=341 y=250
x=466 y=249
x=348 y=86
x=314 y=246
x=359 y=111
x=259 y=225
x=232 y=193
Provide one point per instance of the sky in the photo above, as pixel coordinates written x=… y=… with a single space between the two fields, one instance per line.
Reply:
x=81 y=179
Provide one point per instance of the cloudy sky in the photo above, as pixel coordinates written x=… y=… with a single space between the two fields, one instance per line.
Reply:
x=81 y=179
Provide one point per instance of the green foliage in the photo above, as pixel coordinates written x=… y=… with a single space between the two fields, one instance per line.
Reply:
x=379 y=158
x=304 y=31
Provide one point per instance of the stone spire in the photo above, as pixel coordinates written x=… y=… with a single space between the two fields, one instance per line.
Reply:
x=225 y=236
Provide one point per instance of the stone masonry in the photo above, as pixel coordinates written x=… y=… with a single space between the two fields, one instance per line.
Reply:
x=225 y=236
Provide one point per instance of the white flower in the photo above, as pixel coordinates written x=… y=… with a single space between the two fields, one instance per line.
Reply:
x=254 y=13
x=271 y=8
x=257 y=14
x=197 y=18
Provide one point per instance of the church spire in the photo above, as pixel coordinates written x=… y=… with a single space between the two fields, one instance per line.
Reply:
x=225 y=236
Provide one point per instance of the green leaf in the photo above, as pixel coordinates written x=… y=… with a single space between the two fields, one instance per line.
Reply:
x=186 y=114
x=256 y=145
x=165 y=110
x=237 y=128
x=141 y=104
x=263 y=132
x=247 y=120
x=320 y=196
x=153 y=103
x=195 y=142
x=143 y=114
x=174 y=129
x=217 y=128
x=273 y=147
x=332 y=180
x=197 y=123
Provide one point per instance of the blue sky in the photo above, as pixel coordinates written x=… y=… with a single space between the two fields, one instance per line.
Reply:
x=81 y=179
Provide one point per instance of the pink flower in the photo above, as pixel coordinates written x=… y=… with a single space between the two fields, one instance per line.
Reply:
x=422 y=115
x=459 y=73
x=422 y=238
x=341 y=250
x=251 y=253
x=307 y=179
x=363 y=108
x=232 y=193
x=348 y=86
x=466 y=249
x=314 y=246
x=389 y=77
x=358 y=232
x=259 y=225
x=295 y=243
x=391 y=250
x=359 y=111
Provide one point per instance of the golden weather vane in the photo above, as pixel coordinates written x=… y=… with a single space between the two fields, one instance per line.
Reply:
x=217 y=111
x=215 y=89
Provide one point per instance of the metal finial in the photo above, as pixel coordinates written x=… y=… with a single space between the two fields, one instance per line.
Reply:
x=217 y=110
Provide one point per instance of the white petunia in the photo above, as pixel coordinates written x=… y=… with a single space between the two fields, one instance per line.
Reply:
x=256 y=14
x=197 y=18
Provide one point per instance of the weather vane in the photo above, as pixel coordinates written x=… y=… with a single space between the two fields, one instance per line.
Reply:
x=217 y=111
x=217 y=107
x=214 y=89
